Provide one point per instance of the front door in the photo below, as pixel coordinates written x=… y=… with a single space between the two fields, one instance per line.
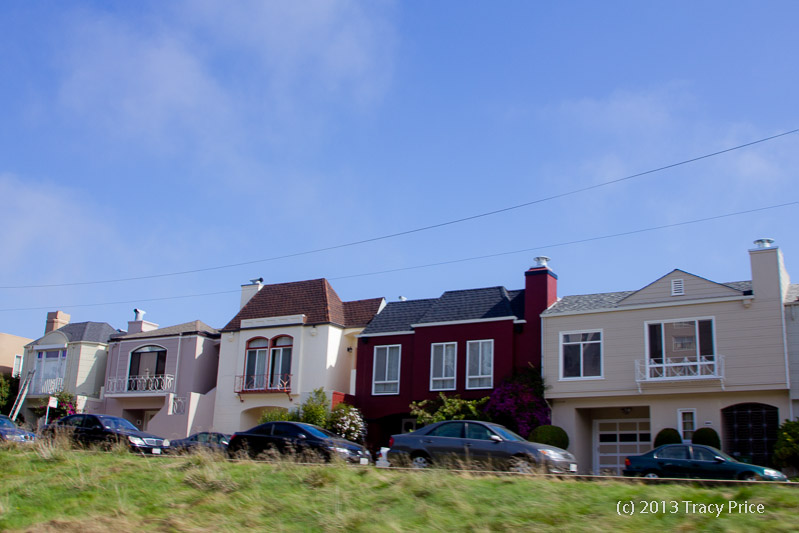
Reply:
x=616 y=439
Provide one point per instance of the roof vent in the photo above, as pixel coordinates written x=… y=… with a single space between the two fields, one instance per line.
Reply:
x=257 y=281
x=764 y=243
x=139 y=314
x=541 y=261
x=402 y=299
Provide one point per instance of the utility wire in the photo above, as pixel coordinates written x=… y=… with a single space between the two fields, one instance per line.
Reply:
x=462 y=260
x=410 y=231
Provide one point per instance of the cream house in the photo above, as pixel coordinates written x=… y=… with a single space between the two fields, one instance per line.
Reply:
x=683 y=352
x=287 y=340
x=69 y=357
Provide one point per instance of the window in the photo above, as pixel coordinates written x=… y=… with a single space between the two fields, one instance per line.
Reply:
x=478 y=432
x=450 y=429
x=673 y=452
x=280 y=367
x=703 y=454
x=443 y=359
x=686 y=422
x=17 y=366
x=676 y=341
x=581 y=354
x=480 y=364
x=268 y=364
x=677 y=287
x=255 y=365
x=386 y=372
x=147 y=369
x=49 y=372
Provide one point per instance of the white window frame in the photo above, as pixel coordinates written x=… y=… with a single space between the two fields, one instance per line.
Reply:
x=374 y=369
x=468 y=360
x=681 y=323
x=17 y=368
x=601 y=375
x=680 y=428
x=454 y=376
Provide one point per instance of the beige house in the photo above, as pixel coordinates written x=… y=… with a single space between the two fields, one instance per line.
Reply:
x=12 y=349
x=287 y=340
x=69 y=357
x=163 y=380
x=683 y=352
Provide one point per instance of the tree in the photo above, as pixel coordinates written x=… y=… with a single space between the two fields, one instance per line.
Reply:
x=518 y=402
x=9 y=386
x=786 y=449
x=667 y=436
x=706 y=436
x=448 y=408
x=347 y=421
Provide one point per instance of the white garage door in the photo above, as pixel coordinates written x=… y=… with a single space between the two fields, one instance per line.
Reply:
x=616 y=439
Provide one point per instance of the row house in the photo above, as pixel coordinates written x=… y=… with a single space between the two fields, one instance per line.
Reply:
x=12 y=349
x=463 y=343
x=163 y=379
x=287 y=340
x=70 y=358
x=683 y=352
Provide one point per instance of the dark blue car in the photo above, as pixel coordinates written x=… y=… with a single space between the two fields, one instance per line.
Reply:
x=10 y=432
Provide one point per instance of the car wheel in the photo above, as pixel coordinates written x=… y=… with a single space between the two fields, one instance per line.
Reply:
x=521 y=465
x=421 y=461
x=651 y=475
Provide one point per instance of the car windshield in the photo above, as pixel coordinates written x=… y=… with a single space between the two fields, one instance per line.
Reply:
x=112 y=422
x=318 y=432
x=6 y=423
x=507 y=434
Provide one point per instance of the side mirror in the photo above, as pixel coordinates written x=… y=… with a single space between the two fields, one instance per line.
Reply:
x=496 y=438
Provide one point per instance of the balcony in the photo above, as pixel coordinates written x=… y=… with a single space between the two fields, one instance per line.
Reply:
x=136 y=385
x=262 y=383
x=46 y=386
x=703 y=367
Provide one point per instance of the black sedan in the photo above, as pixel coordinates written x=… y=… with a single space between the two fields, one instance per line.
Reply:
x=298 y=439
x=472 y=443
x=105 y=431
x=695 y=461
x=204 y=440
x=10 y=432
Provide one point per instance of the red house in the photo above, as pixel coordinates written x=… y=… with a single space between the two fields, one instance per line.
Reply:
x=464 y=342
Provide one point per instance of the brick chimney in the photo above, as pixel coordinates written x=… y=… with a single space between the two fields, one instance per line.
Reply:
x=540 y=291
x=56 y=320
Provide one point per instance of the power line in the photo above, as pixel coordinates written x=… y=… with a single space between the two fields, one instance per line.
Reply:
x=440 y=263
x=410 y=231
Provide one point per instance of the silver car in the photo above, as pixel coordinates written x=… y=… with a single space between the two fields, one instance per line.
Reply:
x=472 y=443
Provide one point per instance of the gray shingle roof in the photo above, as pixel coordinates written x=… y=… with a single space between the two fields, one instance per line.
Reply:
x=196 y=326
x=88 y=331
x=610 y=300
x=452 y=306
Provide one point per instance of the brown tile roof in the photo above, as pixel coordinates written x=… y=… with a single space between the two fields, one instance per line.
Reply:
x=314 y=298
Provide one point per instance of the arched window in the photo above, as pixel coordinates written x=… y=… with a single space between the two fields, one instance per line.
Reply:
x=147 y=368
x=280 y=367
x=255 y=365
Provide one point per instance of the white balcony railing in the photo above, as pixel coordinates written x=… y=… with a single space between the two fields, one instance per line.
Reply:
x=46 y=386
x=680 y=368
x=262 y=383
x=157 y=384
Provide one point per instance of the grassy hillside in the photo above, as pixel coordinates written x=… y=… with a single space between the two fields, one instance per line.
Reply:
x=53 y=489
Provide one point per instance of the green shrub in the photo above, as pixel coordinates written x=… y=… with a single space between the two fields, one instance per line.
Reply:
x=552 y=435
x=706 y=436
x=316 y=409
x=347 y=421
x=447 y=408
x=667 y=436
x=279 y=415
x=786 y=450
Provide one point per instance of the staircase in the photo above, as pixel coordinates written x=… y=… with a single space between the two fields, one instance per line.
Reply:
x=23 y=392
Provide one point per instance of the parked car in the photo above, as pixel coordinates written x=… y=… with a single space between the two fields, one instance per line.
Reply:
x=475 y=443
x=203 y=440
x=695 y=461
x=296 y=438
x=105 y=430
x=10 y=432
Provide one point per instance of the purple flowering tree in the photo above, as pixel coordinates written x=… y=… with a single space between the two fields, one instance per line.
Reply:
x=519 y=404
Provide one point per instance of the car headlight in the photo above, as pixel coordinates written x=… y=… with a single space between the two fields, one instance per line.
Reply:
x=552 y=454
x=136 y=441
x=338 y=449
x=773 y=473
x=166 y=443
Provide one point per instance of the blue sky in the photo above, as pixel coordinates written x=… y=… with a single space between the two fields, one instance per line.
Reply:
x=147 y=138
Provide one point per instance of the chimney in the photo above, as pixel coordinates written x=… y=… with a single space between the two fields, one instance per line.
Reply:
x=138 y=324
x=540 y=291
x=56 y=320
x=250 y=290
x=770 y=280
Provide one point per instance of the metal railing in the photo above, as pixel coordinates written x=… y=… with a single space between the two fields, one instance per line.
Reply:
x=158 y=383
x=178 y=405
x=46 y=386
x=680 y=368
x=263 y=383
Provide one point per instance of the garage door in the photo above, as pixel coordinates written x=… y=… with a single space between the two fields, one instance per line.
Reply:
x=616 y=439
